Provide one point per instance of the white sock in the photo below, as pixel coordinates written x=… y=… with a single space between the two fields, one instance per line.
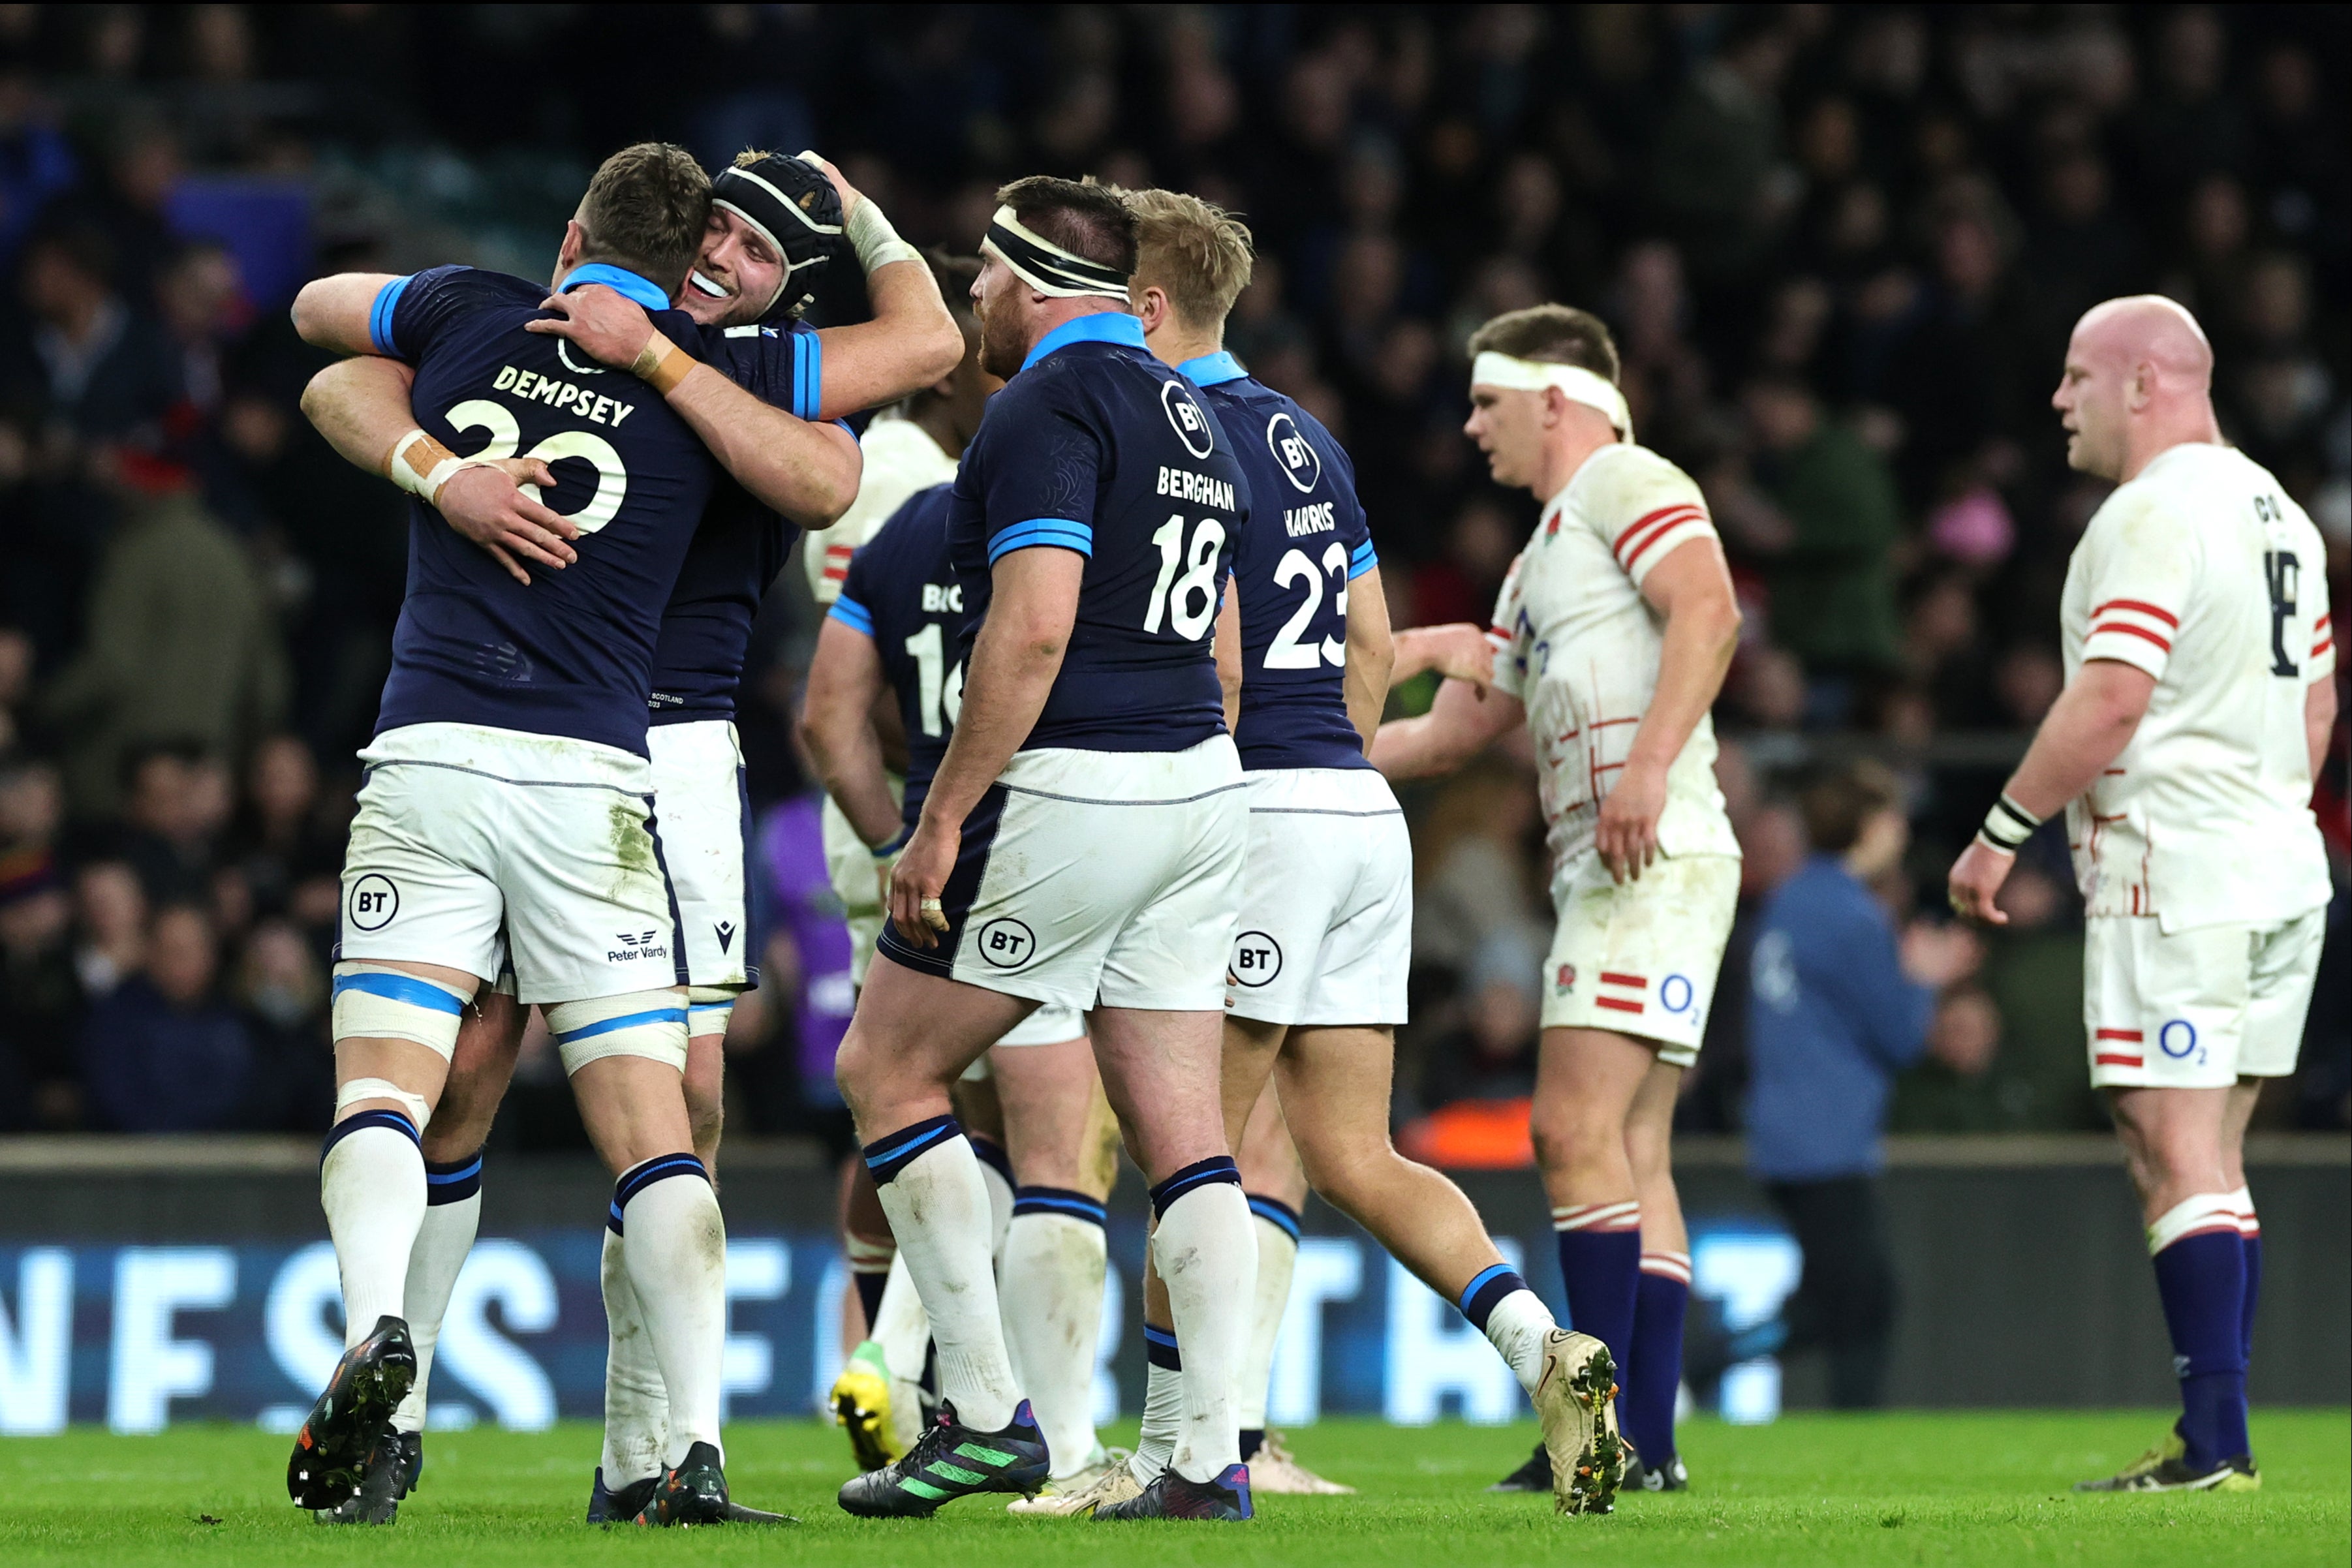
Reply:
x=996 y=1170
x=1207 y=1256
x=1050 y=1285
x=636 y=1405
x=1515 y=1328
x=372 y=1185
x=901 y=1327
x=1277 y=1256
x=1164 y=1410
x=452 y=1213
x=673 y=1244
x=936 y=1198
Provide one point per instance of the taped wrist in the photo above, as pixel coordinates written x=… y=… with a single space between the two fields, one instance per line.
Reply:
x=651 y=1024
x=662 y=364
x=421 y=465
x=2007 y=825
x=707 y=1009
x=875 y=242
x=374 y=1002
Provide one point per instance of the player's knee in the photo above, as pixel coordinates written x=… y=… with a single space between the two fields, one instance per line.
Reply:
x=651 y=1024
x=373 y=1001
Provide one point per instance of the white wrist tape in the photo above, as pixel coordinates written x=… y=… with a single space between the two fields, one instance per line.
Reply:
x=1575 y=383
x=2008 y=825
x=374 y=1002
x=651 y=1024
x=359 y=1089
x=426 y=484
x=874 y=240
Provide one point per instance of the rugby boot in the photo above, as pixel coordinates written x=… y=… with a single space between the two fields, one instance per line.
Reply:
x=1576 y=1401
x=388 y=1479
x=607 y=1506
x=1275 y=1471
x=1641 y=1476
x=2174 y=1447
x=1226 y=1500
x=2176 y=1474
x=342 y=1437
x=1533 y=1475
x=694 y=1492
x=1105 y=1479
x=952 y=1460
x=862 y=1407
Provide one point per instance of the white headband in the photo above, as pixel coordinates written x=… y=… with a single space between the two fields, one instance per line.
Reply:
x=1047 y=268
x=1576 y=383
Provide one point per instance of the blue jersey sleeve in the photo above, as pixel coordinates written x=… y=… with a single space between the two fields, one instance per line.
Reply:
x=782 y=367
x=1355 y=531
x=411 y=313
x=1039 y=482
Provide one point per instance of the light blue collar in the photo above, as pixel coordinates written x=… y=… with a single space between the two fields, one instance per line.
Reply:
x=620 y=280
x=1097 y=327
x=1212 y=369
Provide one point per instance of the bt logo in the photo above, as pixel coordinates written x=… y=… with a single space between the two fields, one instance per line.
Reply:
x=1191 y=426
x=1301 y=463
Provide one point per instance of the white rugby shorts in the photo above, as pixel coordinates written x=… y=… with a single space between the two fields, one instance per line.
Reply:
x=1097 y=878
x=1640 y=957
x=2197 y=1010
x=702 y=812
x=475 y=847
x=1326 y=920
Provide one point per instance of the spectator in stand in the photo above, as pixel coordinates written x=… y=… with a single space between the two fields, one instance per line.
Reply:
x=291 y=855
x=41 y=1001
x=164 y=1053
x=283 y=989
x=175 y=805
x=1839 y=1005
x=110 y=916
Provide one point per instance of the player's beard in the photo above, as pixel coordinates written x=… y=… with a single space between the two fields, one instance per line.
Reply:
x=1000 y=347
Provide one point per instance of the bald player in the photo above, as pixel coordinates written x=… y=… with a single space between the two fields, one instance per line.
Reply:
x=2198 y=707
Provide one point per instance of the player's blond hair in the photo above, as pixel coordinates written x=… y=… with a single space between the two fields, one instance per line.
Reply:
x=1560 y=334
x=645 y=210
x=1195 y=252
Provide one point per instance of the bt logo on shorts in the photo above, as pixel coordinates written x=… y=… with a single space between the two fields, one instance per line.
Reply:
x=1006 y=943
x=373 y=902
x=1257 y=960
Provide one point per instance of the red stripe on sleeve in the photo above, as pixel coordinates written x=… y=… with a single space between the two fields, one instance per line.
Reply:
x=1643 y=548
x=1646 y=519
x=2126 y=626
x=2143 y=606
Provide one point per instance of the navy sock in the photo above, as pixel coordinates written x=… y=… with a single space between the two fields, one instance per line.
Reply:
x=1601 y=1270
x=885 y=1157
x=1252 y=1439
x=2202 y=1281
x=1482 y=1295
x=2254 y=1246
x=1647 y=1406
x=870 y=1294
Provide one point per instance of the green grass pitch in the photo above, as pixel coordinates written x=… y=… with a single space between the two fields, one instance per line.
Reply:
x=1818 y=1490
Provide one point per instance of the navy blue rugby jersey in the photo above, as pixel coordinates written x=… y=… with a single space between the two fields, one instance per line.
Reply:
x=1097 y=447
x=901 y=592
x=1292 y=569
x=741 y=545
x=571 y=652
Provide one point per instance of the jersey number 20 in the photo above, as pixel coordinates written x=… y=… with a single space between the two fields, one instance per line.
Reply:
x=611 y=477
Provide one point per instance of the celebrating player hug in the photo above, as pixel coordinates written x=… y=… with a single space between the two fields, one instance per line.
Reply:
x=1100 y=702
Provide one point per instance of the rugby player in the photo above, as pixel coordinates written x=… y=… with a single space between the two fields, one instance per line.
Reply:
x=893 y=625
x=1080 y=844
x=2199 y=702
x=1613 y=631
x=767 y=237
x=1315 y=981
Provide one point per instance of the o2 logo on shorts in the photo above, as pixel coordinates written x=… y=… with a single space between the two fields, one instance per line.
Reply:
x=1257 y=960
x=1675 y=993
x=1301 y=463
x=1006 y=943
x=373 y=902
x=1191 y=424
x=2177 y=1040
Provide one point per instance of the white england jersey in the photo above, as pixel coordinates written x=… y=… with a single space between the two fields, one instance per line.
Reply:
x=900 y=459
x=1578 y=644
x=2201 y=572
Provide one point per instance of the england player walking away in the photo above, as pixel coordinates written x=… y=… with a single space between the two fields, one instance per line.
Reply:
x=2200 y=697
x=895 y=621
x=1315 y=979
x=771 y=228
x=1614 y=632
x=1080 y=845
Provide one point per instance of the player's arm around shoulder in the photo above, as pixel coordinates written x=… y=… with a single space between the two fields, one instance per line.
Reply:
x=336 y=313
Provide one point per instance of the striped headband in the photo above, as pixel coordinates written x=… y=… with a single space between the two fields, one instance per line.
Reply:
x=1576 y=383
x=1046 y=267
x=768 y=208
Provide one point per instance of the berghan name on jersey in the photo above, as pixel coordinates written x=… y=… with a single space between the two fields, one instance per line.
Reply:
x=1206 y=488
x=594 y=407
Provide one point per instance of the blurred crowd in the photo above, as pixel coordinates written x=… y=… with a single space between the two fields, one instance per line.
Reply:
x=1840 y=248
